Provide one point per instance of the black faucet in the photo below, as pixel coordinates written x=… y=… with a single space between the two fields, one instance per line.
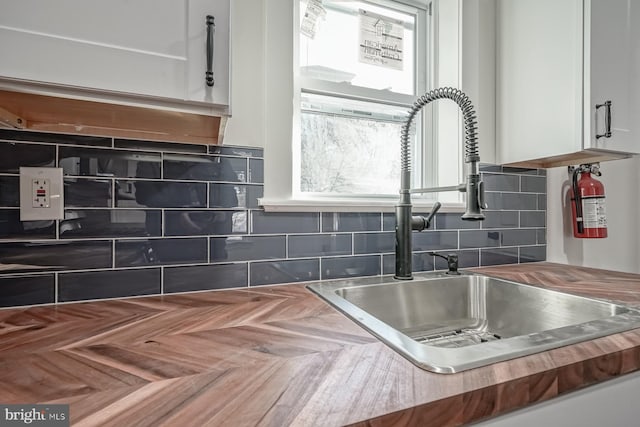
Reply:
x=452 y=262
x=474 y=187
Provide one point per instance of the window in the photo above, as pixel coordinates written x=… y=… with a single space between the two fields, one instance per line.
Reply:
x=361 y=66
x=313 y=92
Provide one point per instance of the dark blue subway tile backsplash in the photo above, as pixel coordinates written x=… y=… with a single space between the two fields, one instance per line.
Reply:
x=435 y=240
x=276 y=222
x=98 y=223
x=133 y=253
x=235 y=195
x=160 y=194
x=374 y=243
x=204 y=222
x=338 y=268
x=205 y=277
x=498 y=256
x=55 y=138
x=533 y=253
x=12 y=228
x=236 y=151
x=88 y=193
x=512 y=201
x=532 y=218
x=272 y=272
x=256 y=171
x=519 y=236
x=145 y=217
x=451 y=221
x=13 y=156
x=309 y=245
x=501 y=182
x=56 y=255
x=421 y=261
x=9 y=191
x=134 y=144
x=479 y=238
x=108 y=284
x=204 y=168
x=533 y=184
x=501 y=219
x=27 y=290
x=247 y=248
x=78 y=161
x=348 y=221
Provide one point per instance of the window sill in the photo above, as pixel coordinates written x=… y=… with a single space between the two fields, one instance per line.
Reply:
x=349 y=205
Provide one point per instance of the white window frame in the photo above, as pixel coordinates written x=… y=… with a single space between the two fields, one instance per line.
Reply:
x=282 y=109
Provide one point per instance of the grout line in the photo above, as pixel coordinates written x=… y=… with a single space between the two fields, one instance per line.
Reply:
x=249 y=274
x=353 y=243
x=286 y=246
x=163 y=220
x=113 y=254
x=55 y=288
x=172 y=180
x=162 y=166
x=114 y=193
x=144 y=208
x=162 y=280
x=161 y=145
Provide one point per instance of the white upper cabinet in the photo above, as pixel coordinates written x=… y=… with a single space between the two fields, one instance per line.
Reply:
x=613 y=73
x=151 y=49
x=566 y=85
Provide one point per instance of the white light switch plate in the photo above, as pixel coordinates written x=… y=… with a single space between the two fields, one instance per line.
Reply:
x=41 y=194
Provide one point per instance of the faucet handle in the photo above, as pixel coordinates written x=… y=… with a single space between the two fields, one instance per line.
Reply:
x=419 y=223
x=436 y=207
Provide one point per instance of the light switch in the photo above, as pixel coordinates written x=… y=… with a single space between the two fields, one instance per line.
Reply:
x=41 y=194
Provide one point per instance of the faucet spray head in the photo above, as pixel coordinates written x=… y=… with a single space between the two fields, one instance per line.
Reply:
x=475 y=199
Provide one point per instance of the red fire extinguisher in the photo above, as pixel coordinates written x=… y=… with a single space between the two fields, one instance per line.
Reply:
x=587 y=203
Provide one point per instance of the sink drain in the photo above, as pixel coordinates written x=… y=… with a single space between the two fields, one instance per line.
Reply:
x=457 y=338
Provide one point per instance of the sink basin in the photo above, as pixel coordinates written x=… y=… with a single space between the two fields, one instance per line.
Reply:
x=448 y=324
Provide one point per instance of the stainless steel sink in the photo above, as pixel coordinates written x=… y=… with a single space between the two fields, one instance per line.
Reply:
x=448 y=324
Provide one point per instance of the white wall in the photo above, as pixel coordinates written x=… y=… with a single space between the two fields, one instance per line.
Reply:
x=620 y=251
x=247 y=124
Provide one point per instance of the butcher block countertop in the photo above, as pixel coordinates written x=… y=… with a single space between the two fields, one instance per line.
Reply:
x=278 y=356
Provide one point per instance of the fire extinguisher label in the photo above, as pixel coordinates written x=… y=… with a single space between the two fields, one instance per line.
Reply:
x=594 y=213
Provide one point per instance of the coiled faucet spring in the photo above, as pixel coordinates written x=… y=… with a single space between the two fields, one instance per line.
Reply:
x=474 y=187
x=470 y=123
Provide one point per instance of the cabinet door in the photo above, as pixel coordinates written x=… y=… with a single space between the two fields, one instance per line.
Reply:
x=197 y=89
x=613 y=64
x=126 y=46
x=538 y=79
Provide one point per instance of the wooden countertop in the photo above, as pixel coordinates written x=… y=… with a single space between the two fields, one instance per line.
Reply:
x=280 y=356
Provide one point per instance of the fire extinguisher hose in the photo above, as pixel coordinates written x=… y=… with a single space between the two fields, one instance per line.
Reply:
x=577 y=197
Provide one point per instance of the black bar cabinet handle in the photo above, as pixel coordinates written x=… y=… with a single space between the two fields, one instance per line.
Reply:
x=607 y=120
x=211 y=29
